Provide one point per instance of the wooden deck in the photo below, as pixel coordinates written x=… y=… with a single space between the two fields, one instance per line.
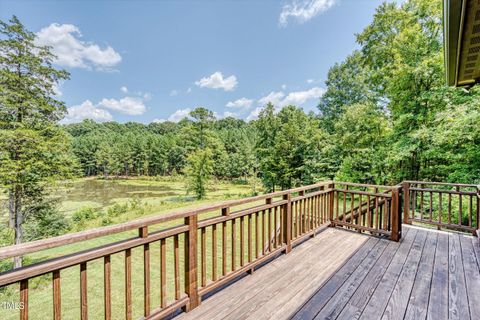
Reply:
x=339 y=274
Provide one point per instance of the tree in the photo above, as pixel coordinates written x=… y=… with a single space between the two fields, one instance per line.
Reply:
x=34 y=150
x=199 y=170
x=347 y=84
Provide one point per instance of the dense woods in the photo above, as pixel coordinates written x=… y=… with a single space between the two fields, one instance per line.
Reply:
x=386 y=116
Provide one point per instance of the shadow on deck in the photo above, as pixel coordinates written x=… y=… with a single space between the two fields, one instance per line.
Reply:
x=429 y=274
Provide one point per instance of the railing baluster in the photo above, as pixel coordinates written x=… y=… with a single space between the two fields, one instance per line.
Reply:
x=460 y=208
x=257 y=234
x=83 y=291
x=163 y=273
x=176 y=267
x=107 y=288
x=440 y=211
x=269 y=217
x=204 y=256
x=470 y=210
x=214 y=252
x=57 y=300
x=128 y=284
x=24 y=299
x=143 y=233
x=249 y=238
x=431 y=206
x=449 y=208
x=242 y=241
x=234 y=244
x=263 y=232
x=224 y=248
x=275 y=235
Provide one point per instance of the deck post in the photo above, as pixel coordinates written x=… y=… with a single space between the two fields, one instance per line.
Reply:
x=395 y=218
x=287 y=222
x=406 y=202
x=331 y=200
x=191 y=284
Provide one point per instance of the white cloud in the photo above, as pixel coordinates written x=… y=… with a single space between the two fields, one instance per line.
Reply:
x=179 y=115
x=254 y=114
x=86 y=110
x=73 y=52
x=242 y=103
x=173 y=93
x=158 y=120
x=189 y=90
x=273 y=97
x=216 y=81
x=310 y=80
x=56 y=89
x=129 y=105
x=284 y=86
x=300 y=97
x=227 y=114
x=304 y=10
x=124 y=89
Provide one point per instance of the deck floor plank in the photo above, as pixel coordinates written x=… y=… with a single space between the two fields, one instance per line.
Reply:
x=457 y=292
x=438 y=300
x=419 y=296
x=472 y=276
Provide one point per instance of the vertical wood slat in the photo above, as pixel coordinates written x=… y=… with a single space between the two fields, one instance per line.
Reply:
x=191 y=262
x=225 y=212
x=406 y=202
x=257 y=234
x=143 y=233
x=83 y=291
x=176 y=267
x=163 y=273
x=460 y=207
x=431 y=206
x=57 y=301
x=440 y=211
x=107 y=288
x=128 y=284
x=249 y=238
x=242 y=241
x=449 y=208
x=234 y=243
x=214 y=252
x=203 y=248
x=263 y=232
x=275 y=227
x=24 y=299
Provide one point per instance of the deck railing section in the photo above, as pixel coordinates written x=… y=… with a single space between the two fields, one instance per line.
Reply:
x=445 y=205
x=200 y=250
x=368 y=208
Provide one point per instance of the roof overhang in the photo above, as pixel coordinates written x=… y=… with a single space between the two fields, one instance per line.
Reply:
x=462 y=42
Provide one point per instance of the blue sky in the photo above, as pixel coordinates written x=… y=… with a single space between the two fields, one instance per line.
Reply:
x=150 y=61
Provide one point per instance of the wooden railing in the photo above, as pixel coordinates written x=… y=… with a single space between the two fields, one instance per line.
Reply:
x=445 y=205
x=197 y=251
x=372 y=208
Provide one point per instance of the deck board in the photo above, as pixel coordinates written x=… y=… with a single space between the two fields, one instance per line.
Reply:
x=339 y=274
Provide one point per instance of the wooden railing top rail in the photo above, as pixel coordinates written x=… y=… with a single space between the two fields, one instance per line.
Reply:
x=35 y=246
x=352 y=184
x=443 y=184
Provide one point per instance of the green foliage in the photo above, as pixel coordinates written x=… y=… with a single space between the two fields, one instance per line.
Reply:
x=47 y=222
x=199 y=171
x=34 y=150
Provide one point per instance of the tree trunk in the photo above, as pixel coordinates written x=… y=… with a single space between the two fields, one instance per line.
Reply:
x=16 y=217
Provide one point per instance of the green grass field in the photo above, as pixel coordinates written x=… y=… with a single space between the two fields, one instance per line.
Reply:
x=153 y=197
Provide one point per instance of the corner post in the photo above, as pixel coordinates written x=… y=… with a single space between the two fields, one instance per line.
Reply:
x=287 y=222
x=331 y=200
x=191 y=284
x=406 y=202
x=395 y=218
